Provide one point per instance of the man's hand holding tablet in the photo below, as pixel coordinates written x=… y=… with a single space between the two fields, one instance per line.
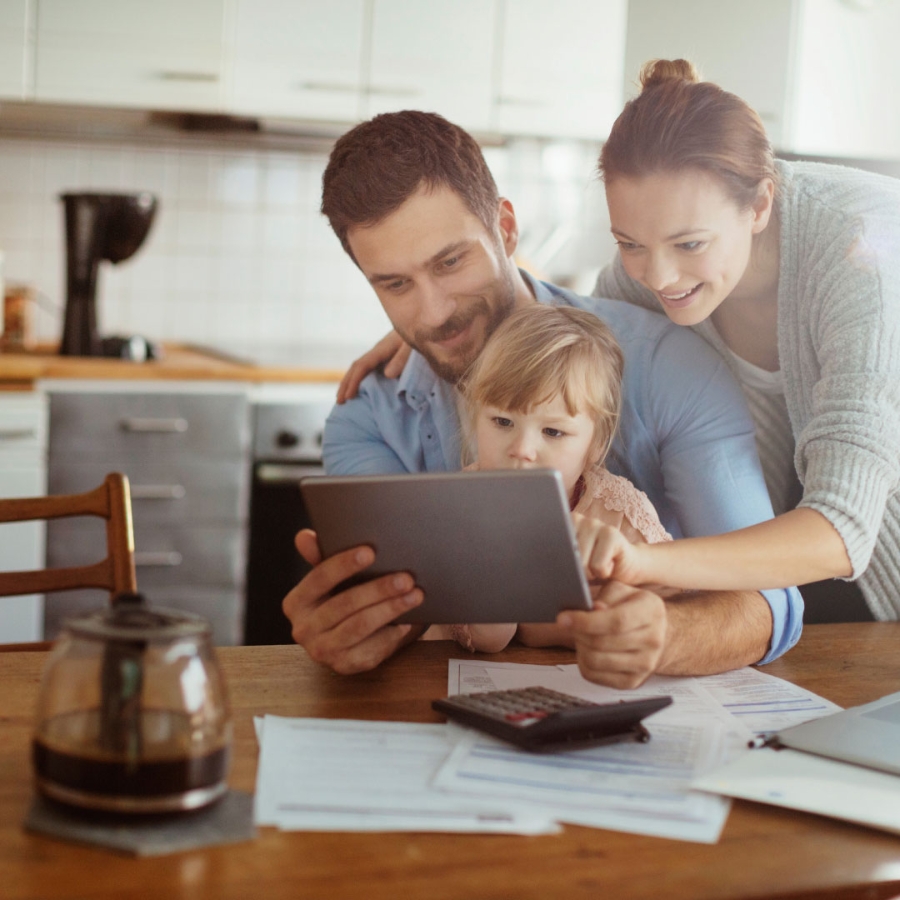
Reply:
x=488 y=546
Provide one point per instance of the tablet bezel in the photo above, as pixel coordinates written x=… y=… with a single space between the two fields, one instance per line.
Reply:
x=484 y=546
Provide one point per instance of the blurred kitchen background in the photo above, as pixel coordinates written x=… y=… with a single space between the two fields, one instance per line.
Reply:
x=226 y=109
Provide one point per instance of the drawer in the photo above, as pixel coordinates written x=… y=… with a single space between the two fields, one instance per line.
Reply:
x=164 y=556
x=112 y=427
x=222 y=607
x=23 y=425
x=168 y=491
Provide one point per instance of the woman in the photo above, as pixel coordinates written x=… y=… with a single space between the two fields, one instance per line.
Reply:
x=792 y=272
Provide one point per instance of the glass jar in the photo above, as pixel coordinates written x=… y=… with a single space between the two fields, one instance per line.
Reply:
x=133 y=714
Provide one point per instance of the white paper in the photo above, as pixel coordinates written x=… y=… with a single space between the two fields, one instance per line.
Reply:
x=763 y=703
x=812 y=784
x=635 y=787
x=465 y=676
x=758 y=703
x=334 y=774
x=710 y=721
x=326 y=774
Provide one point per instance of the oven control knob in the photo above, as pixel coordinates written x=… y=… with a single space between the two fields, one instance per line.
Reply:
x=287 y=439
x=319 y=438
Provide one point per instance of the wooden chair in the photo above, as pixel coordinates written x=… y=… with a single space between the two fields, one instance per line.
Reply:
x=111 y=501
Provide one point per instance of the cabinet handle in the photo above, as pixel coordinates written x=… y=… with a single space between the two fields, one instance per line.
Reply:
x=154 y=426
x=158 y=492
x=380 y=91
x=377 y=90
x=17 y=434
x=332 y=86
x=521 y=101
x=158 y=558
x=206 y=77
x=285 y=473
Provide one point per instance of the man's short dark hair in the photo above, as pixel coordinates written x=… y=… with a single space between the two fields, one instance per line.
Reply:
x=376 y=166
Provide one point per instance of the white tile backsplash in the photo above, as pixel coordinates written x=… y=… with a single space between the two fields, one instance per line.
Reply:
x=239 y=252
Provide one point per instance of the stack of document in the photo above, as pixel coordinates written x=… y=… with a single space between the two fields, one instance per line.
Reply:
x=326 y=774
x=846 y=766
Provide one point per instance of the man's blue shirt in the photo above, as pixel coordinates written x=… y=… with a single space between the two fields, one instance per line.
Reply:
x=685 y=437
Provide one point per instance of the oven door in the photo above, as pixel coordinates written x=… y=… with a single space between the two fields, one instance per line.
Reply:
x=274 y=566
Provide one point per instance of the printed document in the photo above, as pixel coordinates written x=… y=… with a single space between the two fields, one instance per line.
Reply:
x=343 y=775
x=812 y=784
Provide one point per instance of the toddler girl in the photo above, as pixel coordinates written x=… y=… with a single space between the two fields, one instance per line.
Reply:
x=545 y=393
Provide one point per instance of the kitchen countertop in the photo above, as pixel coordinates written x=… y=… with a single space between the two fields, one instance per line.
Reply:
x=180 y=363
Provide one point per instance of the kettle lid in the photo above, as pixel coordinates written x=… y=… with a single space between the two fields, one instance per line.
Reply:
x=130 y=619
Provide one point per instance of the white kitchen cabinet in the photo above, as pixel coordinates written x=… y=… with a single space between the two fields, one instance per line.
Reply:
x=846 y=75
x=23 y=473
x=744 y=47
x=16 y=48
x=301 y=59
x=434 y=57
x=161 y=55
x=493 y=66
x=351 y=59
x=561 y=67
x=822 y=74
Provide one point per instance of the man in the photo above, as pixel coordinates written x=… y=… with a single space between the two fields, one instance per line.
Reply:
x=414 y=205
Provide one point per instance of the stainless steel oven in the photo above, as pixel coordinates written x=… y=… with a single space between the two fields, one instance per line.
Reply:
x=287 y=446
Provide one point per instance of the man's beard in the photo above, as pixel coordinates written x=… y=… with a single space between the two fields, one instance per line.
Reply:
x=452 y=370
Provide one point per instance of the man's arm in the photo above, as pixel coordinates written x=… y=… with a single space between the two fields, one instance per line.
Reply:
x=633 y=633
x=353 y=631
x=354 y=444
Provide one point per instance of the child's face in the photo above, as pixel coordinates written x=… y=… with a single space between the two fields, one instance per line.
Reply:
x=545 y=437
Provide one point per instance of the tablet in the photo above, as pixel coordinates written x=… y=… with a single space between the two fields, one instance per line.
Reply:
x=493 y=546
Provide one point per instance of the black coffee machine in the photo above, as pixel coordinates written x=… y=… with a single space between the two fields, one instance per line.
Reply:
x=98 y=227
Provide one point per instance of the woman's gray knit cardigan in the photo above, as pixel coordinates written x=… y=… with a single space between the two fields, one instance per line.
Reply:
x=839 y=350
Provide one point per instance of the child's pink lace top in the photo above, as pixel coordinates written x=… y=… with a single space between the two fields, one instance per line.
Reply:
x=616 y=501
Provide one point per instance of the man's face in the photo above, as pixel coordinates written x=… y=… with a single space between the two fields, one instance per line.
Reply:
x=443 y=279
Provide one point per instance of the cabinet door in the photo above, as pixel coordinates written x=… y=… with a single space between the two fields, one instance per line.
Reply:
x=21 y=548
x=435 y=57
x=744 y=47
x=846 y=74
x=15 y=52
x=561 y=67
x=161 y=55
x=299 y=58
x=23 y=473
x=115 y=428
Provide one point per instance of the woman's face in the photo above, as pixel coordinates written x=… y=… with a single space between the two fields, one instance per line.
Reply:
x=683 y=237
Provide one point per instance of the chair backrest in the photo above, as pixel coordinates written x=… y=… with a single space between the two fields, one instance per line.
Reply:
x=115 y=573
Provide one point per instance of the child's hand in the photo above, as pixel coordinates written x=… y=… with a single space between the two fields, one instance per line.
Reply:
x=607 y=553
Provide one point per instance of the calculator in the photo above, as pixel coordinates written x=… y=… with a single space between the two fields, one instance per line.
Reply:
x=541 y=720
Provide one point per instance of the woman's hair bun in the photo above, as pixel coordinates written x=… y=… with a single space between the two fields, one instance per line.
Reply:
x=658 y=71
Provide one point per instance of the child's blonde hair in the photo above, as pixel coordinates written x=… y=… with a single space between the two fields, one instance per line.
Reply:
x=543 y=351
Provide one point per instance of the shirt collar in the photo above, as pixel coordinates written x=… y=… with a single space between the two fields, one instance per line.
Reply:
x=540 y=289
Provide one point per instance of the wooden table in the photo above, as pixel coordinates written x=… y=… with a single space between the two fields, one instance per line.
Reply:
x=764 y=851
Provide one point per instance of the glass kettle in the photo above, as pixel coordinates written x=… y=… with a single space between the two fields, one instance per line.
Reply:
x=133 y=714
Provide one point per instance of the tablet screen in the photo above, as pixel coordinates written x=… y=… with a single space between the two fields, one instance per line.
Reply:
x=485 y=546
